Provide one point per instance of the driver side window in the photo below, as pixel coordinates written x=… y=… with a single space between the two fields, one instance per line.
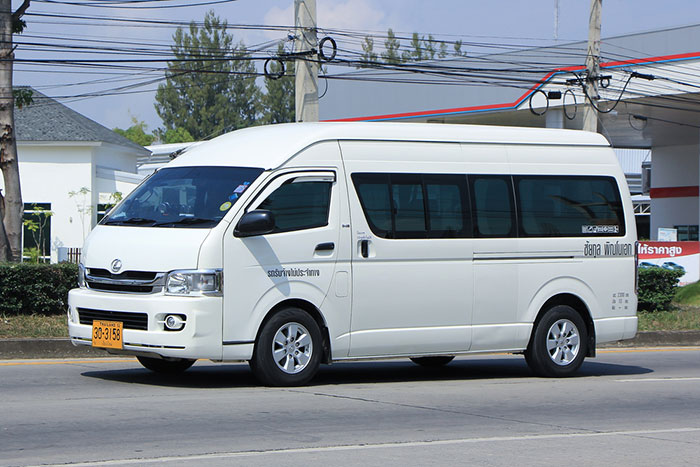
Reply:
x=299 y=205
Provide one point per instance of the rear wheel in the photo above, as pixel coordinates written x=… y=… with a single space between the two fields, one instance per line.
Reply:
x=288 y=349
x=558 y=344
x=433 y=361
x=168 y=366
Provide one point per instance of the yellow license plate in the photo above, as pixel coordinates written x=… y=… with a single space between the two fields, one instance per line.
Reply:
x=107 y=334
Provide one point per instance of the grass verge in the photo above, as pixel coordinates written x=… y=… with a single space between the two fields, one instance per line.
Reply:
x=682 y=318
x=37 y=326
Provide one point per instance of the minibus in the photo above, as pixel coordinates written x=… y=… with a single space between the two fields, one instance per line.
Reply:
x=291 y=246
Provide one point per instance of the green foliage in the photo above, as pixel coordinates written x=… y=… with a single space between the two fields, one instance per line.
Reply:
x=27 y=289
x=391 y=54
x=688 y=294
x=36 y=225
x=210 y=86
x=23 y=97
x=418 y=49
x=278 y=101
x=137 y=133
x=657 y=288
x=458 y=49
x=176 y=135
x=32 y=253
x=369 y=56
x=416 y=53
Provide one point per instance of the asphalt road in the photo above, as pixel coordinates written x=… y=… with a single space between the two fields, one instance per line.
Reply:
x=627 y=407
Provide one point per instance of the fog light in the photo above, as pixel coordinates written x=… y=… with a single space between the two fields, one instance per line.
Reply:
x=174 y=322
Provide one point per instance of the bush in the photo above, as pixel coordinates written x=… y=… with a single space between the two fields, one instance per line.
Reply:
x=27 y=288
x=657 y=288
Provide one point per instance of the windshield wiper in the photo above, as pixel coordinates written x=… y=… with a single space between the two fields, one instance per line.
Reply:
x=186 y=221
x=130 y=221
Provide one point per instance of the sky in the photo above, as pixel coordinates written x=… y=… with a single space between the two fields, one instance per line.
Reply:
x=518 y=22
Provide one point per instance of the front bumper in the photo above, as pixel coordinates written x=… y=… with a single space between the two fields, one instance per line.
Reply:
x=200 y=338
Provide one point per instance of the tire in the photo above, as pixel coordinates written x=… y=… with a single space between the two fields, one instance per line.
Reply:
x=559 y=343
x=169 y=366
x=433 y=362
x=288 y=349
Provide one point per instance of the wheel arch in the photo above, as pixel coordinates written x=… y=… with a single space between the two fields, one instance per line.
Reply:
x=579 y=306
x=309 y=308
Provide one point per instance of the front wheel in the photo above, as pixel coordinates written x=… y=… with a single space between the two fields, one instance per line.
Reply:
x=169 y=366
x=288 y=349
x=558 y=344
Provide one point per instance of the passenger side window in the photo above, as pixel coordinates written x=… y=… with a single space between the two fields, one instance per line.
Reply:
x=373 y=191
x=409 y=206
x=414 y=205
x=493 y=206
x=299 y=205
x=569 y=206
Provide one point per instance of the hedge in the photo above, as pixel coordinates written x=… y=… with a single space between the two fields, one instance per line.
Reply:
x=657 y=287
x=29 y=288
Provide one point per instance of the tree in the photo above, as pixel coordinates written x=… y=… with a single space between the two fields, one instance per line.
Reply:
x=36 y=225
x=176 y=135
x=278 y=100
x=137 y=133
x=458 y=49
x=416 y=53
x=369 y=56
x=210 y=86
x=392 y=45
x=11 y=205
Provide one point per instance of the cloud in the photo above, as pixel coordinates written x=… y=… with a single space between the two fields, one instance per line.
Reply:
x=359 y=15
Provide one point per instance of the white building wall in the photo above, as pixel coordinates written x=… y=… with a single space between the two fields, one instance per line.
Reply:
x=48 y=173
x=674 y=167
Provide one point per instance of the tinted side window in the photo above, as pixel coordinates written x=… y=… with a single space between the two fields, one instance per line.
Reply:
x=448 y=206
x=373 y=191
x=409 y=206
x=298 y=206
x=561 y=206
x=492 y=201
x=414 y=205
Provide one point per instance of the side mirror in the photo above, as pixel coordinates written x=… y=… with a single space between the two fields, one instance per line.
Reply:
x=258 y=222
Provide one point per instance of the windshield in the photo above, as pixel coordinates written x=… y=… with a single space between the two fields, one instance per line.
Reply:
x=195 y=197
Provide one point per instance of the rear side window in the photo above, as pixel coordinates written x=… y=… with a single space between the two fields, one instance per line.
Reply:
x=414 y=205
x=569 y=206
x=492 y=199
x=300 y=205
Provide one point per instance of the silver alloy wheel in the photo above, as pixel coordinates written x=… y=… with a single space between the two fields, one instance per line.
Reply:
x=563 y=342
x=292 y=348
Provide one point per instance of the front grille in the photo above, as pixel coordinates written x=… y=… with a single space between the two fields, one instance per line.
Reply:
x=126 y=275
x=143 y=282
x=131 y=320
x=119 y=287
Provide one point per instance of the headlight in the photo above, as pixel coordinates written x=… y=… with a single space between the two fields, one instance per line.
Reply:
x=81 y=276
x=206 y=282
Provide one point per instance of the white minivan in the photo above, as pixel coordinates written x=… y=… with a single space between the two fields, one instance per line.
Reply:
x=293 y=245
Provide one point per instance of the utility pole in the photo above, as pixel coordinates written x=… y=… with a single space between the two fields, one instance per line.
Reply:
x=590 y=114
x=305 y=47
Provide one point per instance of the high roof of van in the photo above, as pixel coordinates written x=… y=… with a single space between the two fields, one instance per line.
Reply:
x=271 y=146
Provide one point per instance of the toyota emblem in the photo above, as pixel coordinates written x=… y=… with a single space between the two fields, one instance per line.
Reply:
x=116 y=265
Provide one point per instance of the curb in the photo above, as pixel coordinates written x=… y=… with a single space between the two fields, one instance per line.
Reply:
x=658 y=339
x=46 y=348
x=62 y=348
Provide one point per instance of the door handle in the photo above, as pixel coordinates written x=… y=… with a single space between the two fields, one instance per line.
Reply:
x=328 y=246
x=364 y=248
